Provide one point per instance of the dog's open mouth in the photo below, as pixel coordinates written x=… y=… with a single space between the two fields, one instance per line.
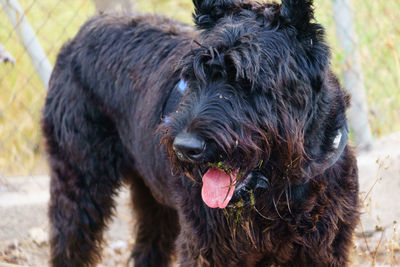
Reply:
x=222 y=187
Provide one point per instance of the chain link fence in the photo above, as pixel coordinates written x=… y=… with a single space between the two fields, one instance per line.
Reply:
x=368 y=48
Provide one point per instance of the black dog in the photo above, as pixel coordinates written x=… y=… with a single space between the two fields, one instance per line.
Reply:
x=245 y=113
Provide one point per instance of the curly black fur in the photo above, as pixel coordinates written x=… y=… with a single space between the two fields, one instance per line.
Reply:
x=260 y=93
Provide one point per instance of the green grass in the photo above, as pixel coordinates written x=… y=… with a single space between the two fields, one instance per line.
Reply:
x=22 y=94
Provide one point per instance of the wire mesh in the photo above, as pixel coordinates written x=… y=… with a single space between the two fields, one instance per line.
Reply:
x=376 y=39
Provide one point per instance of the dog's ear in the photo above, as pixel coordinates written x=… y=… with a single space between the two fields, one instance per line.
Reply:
x=208 y=12
x=299 y=13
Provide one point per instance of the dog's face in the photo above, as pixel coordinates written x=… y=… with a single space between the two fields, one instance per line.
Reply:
x=251 y=84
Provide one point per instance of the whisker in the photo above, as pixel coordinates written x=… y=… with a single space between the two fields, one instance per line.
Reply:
x=262 y=215
x=276 y=208
x=287 y=201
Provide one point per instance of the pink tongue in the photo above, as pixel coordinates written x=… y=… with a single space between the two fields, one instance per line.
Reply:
x=218 y=188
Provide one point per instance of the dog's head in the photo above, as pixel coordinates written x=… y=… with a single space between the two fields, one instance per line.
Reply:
x=255 y=108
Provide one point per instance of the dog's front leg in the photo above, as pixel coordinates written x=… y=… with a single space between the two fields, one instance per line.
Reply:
x=196 y=248
x=187 y=252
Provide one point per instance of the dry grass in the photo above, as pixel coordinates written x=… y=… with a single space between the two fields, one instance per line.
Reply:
x=22 y=93
x=379 y=246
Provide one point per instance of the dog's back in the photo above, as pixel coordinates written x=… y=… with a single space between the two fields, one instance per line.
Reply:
x=92 y=128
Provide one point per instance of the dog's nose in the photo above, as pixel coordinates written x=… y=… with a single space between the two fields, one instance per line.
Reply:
x=189 y=147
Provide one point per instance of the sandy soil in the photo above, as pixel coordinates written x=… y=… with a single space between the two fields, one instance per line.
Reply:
x=24 y=224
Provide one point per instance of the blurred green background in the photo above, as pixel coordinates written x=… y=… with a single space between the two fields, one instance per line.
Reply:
x=55 y=21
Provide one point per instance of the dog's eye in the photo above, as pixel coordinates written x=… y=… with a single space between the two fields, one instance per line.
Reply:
x=182 y=86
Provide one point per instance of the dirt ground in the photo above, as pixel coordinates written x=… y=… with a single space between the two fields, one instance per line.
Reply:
x=24 y=224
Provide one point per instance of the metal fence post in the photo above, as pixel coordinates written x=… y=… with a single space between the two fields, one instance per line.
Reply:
x=353 y=74
x=29 y=40
x=107 y=5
